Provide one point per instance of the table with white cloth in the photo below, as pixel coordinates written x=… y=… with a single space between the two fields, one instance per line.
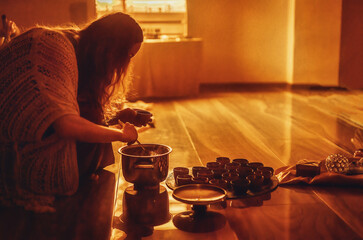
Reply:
x=167 y=68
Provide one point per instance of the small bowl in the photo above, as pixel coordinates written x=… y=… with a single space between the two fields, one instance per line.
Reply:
x=241 y=161
x=223 y=160
x=213 y=165
x=217 y=173
x=219 y=182
x=180 y=171
x=142 y=116
x=196 y=169
x=184 y=180
x=256 y=182
x=244 y=171
x=232 y=167
x=200 y=180
x=240 y=186
x=255 y=165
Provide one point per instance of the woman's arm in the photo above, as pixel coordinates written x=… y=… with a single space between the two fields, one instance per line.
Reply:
x=80 y=129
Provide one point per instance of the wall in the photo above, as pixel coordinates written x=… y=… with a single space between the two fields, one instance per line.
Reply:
x=351 y=51
x=317 y=42
x=28 y=13
x=244 y=40
x=252 y=41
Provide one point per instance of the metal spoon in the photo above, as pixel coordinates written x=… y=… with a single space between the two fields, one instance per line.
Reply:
x=143 y=148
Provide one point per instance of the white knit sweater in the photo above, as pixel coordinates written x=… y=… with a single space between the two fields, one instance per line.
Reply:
x=38 y=84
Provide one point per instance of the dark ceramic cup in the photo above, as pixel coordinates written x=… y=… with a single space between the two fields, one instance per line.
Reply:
x=245 y=171
x=267 y=168
x=232 y=167
x=256 y=182
x=267 y=174
x=205 y=173
x=219 y=182
x=255 y=165
x=200 y=180
x=241 y=161
x=196 y=169
x=183 y=180
x=229 y=177
x=223 y=160
x=217 y=173
x=240 y=186
x=213 y=165
x=180 y=171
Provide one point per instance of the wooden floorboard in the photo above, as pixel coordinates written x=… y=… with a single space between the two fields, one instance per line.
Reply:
x=171 y=131
x=85 y=215
x=277 y=128
x=294 y=221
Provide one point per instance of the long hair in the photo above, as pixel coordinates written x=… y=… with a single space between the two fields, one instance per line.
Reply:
x=103 y=56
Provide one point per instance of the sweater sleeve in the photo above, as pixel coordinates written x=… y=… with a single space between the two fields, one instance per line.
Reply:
x=40 y=85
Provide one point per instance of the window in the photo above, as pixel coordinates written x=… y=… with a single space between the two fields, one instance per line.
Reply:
x=157 y=18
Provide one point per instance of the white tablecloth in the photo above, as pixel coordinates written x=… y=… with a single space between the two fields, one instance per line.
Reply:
x=166 y=68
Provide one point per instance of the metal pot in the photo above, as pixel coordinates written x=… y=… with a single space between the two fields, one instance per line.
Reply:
x=145 y=164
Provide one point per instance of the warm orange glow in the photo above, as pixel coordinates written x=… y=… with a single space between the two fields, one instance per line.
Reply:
x=146 y=6
x=156 y=17
x=108 y=6
x=156 y=5
x=290 y=42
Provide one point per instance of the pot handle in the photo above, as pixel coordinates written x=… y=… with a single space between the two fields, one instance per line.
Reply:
x=144 y=165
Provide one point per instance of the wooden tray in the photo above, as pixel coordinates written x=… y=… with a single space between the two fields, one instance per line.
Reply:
x=170 y=182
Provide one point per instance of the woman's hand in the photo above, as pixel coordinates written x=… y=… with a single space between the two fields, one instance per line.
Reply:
x=129 y=133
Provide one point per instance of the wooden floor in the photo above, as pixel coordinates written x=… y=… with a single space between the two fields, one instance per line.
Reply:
x=278 y=128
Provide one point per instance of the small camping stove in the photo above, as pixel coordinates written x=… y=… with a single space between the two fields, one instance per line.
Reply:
x=146 y=203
